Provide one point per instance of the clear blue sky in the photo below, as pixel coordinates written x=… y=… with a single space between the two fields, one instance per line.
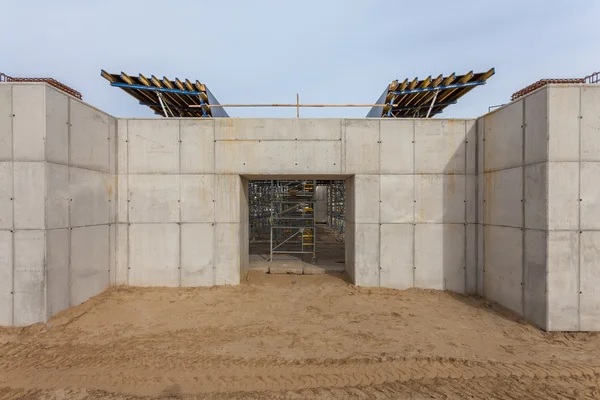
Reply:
x=338 y=51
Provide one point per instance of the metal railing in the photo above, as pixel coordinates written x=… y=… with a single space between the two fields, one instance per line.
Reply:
x=593 y=78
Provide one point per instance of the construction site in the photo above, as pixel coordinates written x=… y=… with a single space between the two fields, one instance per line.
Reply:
x=401 y=255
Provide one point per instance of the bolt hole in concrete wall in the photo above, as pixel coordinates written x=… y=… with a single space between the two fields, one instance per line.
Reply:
x=296 y=226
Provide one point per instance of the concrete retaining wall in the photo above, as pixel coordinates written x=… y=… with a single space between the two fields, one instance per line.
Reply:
x=179 y=223
x=538 y=170
x=504 y=206
x=412 y=214
x=57 y=163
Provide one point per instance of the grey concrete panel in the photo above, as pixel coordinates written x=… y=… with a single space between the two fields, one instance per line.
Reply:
x=590 y=123
x=112 y=144
x=366 y=254
x=536 y=127
x=563 y=281
x=536 y=196
x=563 y=124
x=480 y=144
x=122 y=254
x=197 y=198
x=227 y=198
x=503 y=191
x=6 y=194
x=362 y=146
x=440 y=146
x=90 y=262
x=563 y=195
x=454 y=257
x=227 y=254
x=480 y=260
x=397 y=148
x=534 y=284
x=277 y=129
x=112 y=262
x=28 y=122
x=122 y=146
x=440 y=198
x=90 y=192
x=197 y=254
x=57 y=274
x=57 y=192
x=590 y=281
x=6 y=277
x=590 y=195
x=6 y=145
x=29 y=195
x=396 y=256
x=397 y=198
x=29 y=277
x=471 y=146
x=350 y=249
x=471 y=198
x=88 y=142
x=121 y=182
x=112 y=197
x=154 y=255
x=278 y=157
x=366 y=198
x=440 y=257
x=197 y=146
x=504 y=137
x=471 y=259
x=503 y=268
x=350 y=201
x=480 y=196
x=321 y=204
x=153 y=146
x=57 y=127
x=154 y=198
x=244 y=228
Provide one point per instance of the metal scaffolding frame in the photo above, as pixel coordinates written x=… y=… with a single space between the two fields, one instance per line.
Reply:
x=284 y=211
x=336 y=206
x=292 y=229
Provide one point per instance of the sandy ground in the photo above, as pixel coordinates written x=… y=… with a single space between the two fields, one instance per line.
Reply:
x=293 y=337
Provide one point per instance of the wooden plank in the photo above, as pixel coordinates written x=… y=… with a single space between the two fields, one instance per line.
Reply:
x=464 y=79
x=107 y=76
x=126 y=78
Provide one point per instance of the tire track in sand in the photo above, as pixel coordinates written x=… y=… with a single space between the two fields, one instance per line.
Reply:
x=229 y=375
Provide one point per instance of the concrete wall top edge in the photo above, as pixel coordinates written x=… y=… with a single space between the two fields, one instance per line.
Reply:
x=292 y=118
x=546 y=87
x=59 y=91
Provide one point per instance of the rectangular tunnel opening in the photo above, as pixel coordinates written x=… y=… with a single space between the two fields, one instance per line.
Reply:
x=297 y=226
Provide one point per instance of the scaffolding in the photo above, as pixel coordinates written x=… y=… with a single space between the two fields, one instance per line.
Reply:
x=292 y=229
x=336 y=206
x=259 y=202
x=283 y=212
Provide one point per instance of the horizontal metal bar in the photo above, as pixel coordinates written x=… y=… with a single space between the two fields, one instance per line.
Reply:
x=156 y=89
x=435 y=88
x=170 y=105
x=291 y=105
x=292 y=252
x=448 y=103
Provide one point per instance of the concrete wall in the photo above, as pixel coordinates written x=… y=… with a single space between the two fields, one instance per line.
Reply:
x=178 y=223
x=537 y=246
x=411 y=209
x=321 y=204
x=57 y=162
x=504 y=206
x=573 y=216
